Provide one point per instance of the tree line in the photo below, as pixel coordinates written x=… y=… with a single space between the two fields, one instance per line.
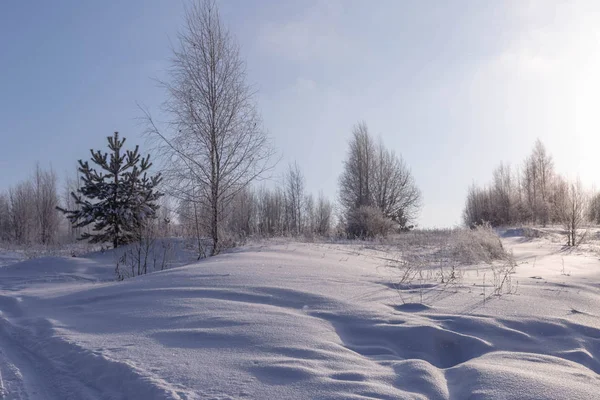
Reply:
x=285 y=209
x=28 y=210
x=532 y=194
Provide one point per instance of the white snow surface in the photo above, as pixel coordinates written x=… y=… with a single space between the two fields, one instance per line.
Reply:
x=301 y=321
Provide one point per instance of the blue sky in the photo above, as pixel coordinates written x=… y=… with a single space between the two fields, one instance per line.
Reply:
x=455 y=87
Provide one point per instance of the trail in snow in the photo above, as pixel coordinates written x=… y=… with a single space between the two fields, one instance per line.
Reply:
x=29 y=374
x=19 y=380
x=12 y=386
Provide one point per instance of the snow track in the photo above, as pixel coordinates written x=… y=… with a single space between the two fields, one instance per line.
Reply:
x=42 y=365
x=12 y=386
x=29 y=374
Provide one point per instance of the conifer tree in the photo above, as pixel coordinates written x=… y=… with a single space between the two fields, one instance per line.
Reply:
x=118 y=198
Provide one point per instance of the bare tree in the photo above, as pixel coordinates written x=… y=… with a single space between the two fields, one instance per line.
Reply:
x=242 y=218
x=480 y=207
x=22 y=209
x=537 y=179
x=323 y=215
x=573 y=210
x=295 y=201
x=503 y=194
x=594 y=209
x=271 y=212
x=394 y=190
x=355 y=189
x=214 y=145
x=532 y=194
x=72 y=184
x=375 y=176
x=5 y=226
x=46 y=201
x=308 y=219
x=545 y=169
x=165 y=217
x=529 y=187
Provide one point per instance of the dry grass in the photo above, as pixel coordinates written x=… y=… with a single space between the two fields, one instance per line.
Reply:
x=472 y=246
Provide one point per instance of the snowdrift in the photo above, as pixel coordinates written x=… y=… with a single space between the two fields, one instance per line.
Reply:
x=300 y=321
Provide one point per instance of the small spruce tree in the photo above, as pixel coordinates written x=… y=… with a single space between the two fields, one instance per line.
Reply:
x=119 y=198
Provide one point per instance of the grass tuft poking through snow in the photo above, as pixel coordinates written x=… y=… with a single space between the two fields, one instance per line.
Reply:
x=481 y=244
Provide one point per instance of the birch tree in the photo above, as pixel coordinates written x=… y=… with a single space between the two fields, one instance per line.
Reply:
x=214 y=144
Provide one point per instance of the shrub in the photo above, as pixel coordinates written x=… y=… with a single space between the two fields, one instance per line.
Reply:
x=480 y=244
x=367 y=222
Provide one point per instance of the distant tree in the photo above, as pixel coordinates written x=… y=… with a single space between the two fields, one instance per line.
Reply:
x=165 y=216
x=22 y=212
x=323 y=216
x=5 y=226
x=537 y=180
x=573 y=210
x=359 y=168
x=271 y=212
x=118 y=198
x=215 y=145
x=72 y=184
x=394 y=190
x=374 y=176
x=367 y=222
x=308 y=219
x=533 y=194
x=594 y=209
x=472 y=213
x=480 y=207
x=243 y=214
x=295 y=198
x=502 y=191
x=46 y=201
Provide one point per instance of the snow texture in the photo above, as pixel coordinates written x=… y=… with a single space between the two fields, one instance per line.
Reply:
x=301 y=321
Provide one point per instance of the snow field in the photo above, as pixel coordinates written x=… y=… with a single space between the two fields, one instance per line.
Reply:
x=298 y=321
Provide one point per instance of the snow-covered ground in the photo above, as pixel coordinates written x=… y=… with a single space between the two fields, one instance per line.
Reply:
x=306 y=321
x=8 y=257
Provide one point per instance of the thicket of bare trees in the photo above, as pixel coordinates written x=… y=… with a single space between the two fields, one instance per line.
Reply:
x=296 y=201
x=215 y=144
x=46 y=200
x=534 y=194
x=376 y=178
x=283 y=210
x=593 y=214
x=5 y=219
x=528 y=195
x=28 y=212
x=572 y=210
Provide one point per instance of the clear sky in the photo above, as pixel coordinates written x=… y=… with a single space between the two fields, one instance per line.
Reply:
x=453 y=86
